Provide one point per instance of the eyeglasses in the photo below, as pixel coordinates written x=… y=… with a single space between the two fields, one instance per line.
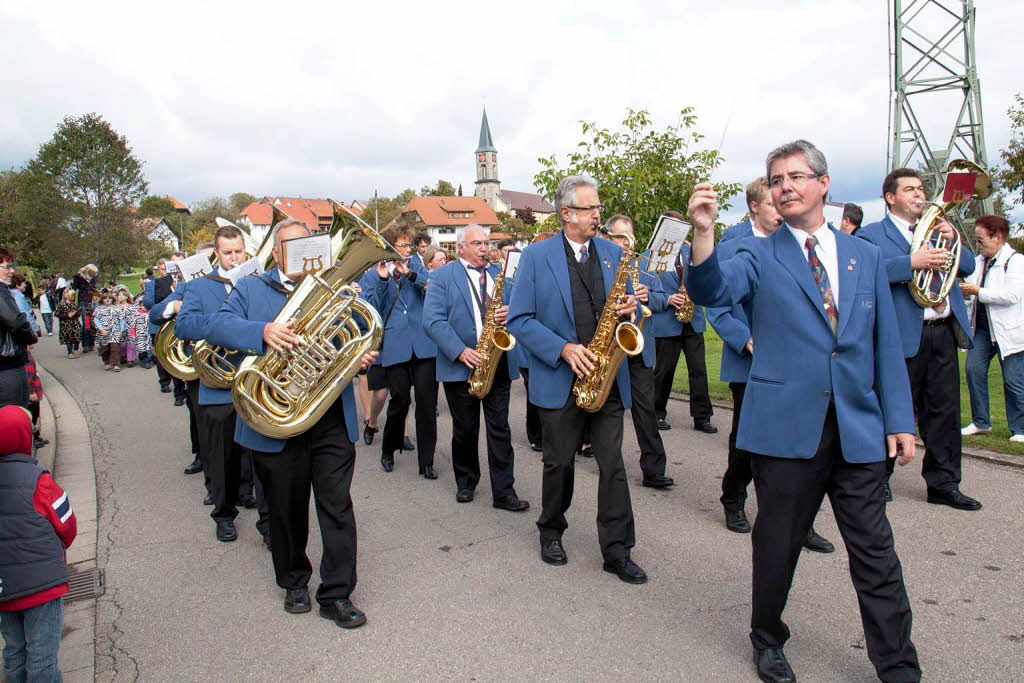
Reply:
x=476 y=244
x=795 y=179
x=7 y=266
x=402 y=245
x=587 y=209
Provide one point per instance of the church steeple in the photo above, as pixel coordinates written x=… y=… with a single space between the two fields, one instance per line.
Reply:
x=488 y=187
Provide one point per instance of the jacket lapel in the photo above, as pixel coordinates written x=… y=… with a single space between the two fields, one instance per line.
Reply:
x=789 y=254
x=895 y=236
x=604 y=259
x=560 y=270
x=849 y=276
x=462 y=283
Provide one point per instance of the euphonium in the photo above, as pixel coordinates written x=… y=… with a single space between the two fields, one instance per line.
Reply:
x=921 y=282
x=212 y=364
x=613 y=341
x=284 y=394
x=174 y=353
x=494 y=340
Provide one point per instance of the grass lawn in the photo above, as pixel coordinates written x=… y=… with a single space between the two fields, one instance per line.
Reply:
x=131 y=282
x=997 y=441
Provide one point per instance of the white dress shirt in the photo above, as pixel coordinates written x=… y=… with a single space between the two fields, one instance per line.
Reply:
x=757 y=231
x=283 y=279
x=224 y=274
x=826 y=251
x=577 y=246
x=474 y=286
x=907 y=230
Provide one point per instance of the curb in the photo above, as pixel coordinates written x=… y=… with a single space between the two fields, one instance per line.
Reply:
x=987 y=456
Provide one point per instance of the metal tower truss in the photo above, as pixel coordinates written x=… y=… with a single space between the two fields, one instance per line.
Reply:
x=934 y=87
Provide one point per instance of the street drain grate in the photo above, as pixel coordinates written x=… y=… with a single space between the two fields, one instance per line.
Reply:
x=84 y=584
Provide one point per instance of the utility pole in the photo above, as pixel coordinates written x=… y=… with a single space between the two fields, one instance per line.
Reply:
x=934 y=85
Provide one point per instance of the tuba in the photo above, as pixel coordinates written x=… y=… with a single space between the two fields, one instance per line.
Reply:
x=922 y=281
x=281 y=394
x=494 y=340
x=212 y=364
x=612 y=342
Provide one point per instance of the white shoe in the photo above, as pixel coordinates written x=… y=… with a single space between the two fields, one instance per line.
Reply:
x=972 y=429
x=108 y=367
x=1017 y=438
x=49 y=334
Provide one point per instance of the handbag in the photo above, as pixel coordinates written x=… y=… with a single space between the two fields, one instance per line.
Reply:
x=8 y=347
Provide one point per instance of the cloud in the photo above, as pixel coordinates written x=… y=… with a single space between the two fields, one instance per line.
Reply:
x=341 y=99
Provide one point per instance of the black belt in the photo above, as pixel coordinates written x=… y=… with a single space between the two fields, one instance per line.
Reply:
x=939 y=321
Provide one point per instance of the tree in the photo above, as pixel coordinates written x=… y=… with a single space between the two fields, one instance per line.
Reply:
x=238 y=202
x=97 y=178
x=198 y=236
x=641 y=172
x=526 y=216
x=1011 y=177
x=386 y=209
x=155 y=207
x=443 y=189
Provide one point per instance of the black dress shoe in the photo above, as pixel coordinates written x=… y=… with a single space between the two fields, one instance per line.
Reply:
x=772 y=666
x=247 y=501
x=343 y=613
x=705 y=426
x=887 y=491
x=536 y=448
x=165 y=390
x=586 y=451
x=195 y=468
x=296 y=601
x=407 y=445
x=38 y=437
x=368 y=432
x=226 y=531
x=627 y=570
x=179 y=401
x=736 y=520
x=387 y=462
x=428 y=472
x=663 y=425
x=208 y=500
x=38 y=442
x=658 y=481
x=552 y=552
x=953 y=499
x=818 y=544
x=464 y=496
x=511 y=503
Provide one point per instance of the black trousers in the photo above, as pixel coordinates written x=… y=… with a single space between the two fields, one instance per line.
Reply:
x=789 y=492
x=221 y=457
x=323 y=458
x=250 y=484
x=14 y=387
x=534 y=430
x=692 y=345
x=737 y=472
x=652 y=449
x=563 y=429
x=191 y=401
x=403 y=378
x=935 y=386
x=465 y=411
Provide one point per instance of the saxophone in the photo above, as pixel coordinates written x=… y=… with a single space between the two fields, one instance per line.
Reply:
x=494 y=340
x=684 y=313
x=612 y=342
x=645 y=312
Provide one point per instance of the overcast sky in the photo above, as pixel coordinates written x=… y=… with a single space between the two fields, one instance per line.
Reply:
x=339 y=99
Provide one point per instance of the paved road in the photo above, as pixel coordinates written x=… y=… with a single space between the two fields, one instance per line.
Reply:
x=459 y=592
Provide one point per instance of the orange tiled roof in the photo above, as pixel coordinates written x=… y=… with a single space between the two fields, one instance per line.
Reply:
x=451 y=211
x=313 y=212
x=258 y=213
x=178 y=206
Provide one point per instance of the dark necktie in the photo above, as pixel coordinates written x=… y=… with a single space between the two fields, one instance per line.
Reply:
x=485 y=298
x=821 y=279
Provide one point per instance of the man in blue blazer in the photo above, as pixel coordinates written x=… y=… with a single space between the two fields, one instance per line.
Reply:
x=673 y=337
x=561 y=288
x=825 y=401
x=154 y=291
x=930 y=336
x=649 y=292
x=733 y=325
x=456 y=305
x=322 y=457
x=396 y=289
x=215 y=413
x=520 y=357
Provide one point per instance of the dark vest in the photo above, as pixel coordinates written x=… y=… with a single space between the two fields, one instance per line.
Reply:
x=586 y=283
x=162 y=288
x=31 y=553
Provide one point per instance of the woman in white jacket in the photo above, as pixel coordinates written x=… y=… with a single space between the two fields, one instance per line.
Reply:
x=996 y=306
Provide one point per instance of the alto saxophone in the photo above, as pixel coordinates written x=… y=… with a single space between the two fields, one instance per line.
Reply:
x=645 y=312
x=684 y=313
x=612 y=342
x=494 y=340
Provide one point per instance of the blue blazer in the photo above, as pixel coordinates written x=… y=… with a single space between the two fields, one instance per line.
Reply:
x=518 y=356
x=544 y=323
x=238 y=325
x=799 y=366
x=665 y=323
x=896 y=256
x=403 y=333
x=156 y=311
x=449 y=321
x=739 y=231
x=658 y=302
x=733 y=325
x=203 y=299
x=148 y=300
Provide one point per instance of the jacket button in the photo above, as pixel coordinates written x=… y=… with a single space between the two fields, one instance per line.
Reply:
x=828 y=392
x=835 y=355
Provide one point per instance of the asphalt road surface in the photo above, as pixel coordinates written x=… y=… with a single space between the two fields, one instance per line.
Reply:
x=459 y=591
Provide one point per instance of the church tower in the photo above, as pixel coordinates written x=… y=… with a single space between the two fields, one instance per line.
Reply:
x=487 y=184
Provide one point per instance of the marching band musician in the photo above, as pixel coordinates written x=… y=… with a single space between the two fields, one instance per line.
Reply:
x=930 y=336
x=827 y=395
x=396 y=290
x=323 y=456
x=215 y=413
x=456 y=305
x=155 y=291
x=653 y=460
x=555 y=329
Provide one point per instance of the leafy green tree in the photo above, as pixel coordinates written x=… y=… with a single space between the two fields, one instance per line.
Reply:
x=155 y=207
x=238 y=202
x=1011 y=176
x=386 y=209
x=641 y=171
x=443 y=189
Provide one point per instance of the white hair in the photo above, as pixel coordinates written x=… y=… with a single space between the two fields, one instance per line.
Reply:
x=460 y=234
x=287 y=223
x=565 y=195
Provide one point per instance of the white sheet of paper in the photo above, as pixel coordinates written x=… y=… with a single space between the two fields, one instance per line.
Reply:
x=310 y=254
x=193 y=267
x=250 y=267
x=512 y=263
x=834 y=213
x=669 y=236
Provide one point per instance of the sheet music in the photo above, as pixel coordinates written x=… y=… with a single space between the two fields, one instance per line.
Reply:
x=512 y=263
x=833 y=213
x=669 y=236
x=250 y=267
x=310 y=254
x=193 y=267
